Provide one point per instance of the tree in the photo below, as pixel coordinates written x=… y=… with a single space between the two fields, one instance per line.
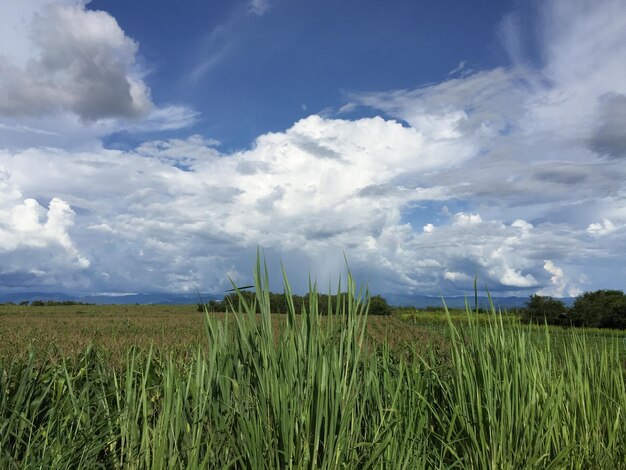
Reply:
x=600 y=309
x=379 y=306
x=540 y=309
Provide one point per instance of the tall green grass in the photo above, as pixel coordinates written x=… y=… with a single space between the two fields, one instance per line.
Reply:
x=308 y=396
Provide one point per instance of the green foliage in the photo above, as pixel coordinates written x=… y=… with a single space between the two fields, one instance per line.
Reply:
x=379 y=306
x=53 y=303
x=600 y=309
x=540 y=309
x=280 y=303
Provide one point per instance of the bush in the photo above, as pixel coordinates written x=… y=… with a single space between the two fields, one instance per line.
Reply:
x=600 y=309
x=379 y=306
x=541 y=309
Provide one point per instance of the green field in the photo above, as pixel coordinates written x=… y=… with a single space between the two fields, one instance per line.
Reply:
x=169 y=387
x=64 y=332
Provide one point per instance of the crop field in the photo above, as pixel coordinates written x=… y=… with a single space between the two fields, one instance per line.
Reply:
x=169 y=387
x=65 y=332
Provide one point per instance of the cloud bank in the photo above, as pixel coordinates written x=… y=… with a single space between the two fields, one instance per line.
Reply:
x=514 y=175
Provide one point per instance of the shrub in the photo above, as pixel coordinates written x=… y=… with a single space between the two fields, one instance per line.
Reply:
x=379 y=306
x=541 y=309
x=600 y=309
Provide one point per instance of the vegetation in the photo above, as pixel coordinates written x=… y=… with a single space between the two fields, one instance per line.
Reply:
x=310 y=394
x=540 y=309
x=45 y=303
x=60 y=333
x=54 y=303
x=327 y=304
x=599 y=309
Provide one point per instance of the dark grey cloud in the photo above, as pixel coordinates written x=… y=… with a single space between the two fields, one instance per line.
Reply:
x=251 y=167
x=222 y=195
x=306 y=144
x=81 y=62
x=377 y=190
x=609 y=137
x=562 y=174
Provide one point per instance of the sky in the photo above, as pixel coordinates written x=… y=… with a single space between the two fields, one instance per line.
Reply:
x=155 y=146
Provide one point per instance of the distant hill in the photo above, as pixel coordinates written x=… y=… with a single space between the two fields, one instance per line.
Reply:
x=417 y=301
x=458 y=301
x=143 y=298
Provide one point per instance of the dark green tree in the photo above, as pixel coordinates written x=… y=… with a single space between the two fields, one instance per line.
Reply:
x=542 y=309
x=600 y=309
x=379 y=306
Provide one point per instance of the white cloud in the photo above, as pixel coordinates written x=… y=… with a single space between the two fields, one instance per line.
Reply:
x=147 y=220
x=524 y=226
x=454 y=276
x=259 y=7
x=458 y=69
x=513 y=278
x=467 y=219
x=602 y=228
x=176 y=214
x=165 y=118
x=560 y=286
x=35 y=244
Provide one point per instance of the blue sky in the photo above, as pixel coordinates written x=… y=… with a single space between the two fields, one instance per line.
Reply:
x=148 y=147
x=254 y=73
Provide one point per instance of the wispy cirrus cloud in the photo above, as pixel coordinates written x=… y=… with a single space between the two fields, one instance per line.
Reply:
x=259 y=7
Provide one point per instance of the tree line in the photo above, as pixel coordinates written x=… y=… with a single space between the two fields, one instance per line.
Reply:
x=278 y=302
x=598 y=309
x=47 y=303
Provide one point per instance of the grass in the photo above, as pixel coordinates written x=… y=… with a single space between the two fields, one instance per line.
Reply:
x=303 y=394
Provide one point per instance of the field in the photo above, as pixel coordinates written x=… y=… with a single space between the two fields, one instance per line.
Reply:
x=65 y=332
x=169 y=387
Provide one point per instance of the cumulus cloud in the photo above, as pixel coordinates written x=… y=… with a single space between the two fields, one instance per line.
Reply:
x=35 y=244
x=70 y=75
x=559 y=282
x=177 y=214
x=81 y=61
x=466 y=219
x=601 y=228
x=454 y=276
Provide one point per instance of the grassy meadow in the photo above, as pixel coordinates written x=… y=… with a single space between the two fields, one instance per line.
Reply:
x=168 y=387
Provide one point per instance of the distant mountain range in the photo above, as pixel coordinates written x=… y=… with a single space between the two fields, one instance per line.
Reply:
x=458 y=301
x=417 y=301
x=107 y=299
